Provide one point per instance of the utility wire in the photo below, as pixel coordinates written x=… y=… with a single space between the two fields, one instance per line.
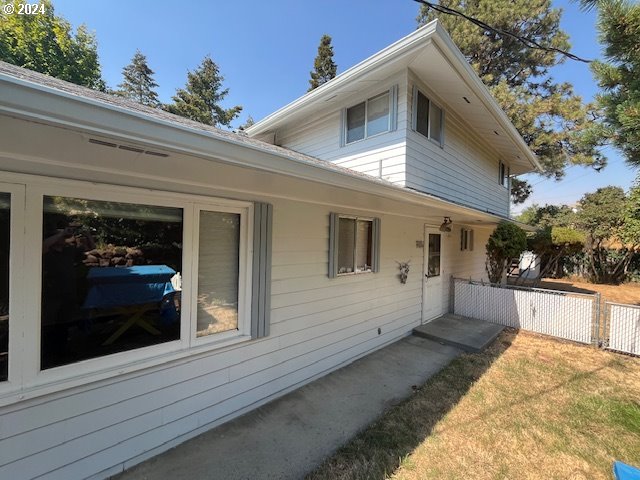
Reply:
x=525 y=41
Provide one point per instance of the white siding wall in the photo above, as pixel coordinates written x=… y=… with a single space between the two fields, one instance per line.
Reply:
x=467 y=263
x=317 y=325
x=464 y=170
x=381 y=156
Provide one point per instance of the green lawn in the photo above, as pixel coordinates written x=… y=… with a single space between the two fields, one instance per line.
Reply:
x=529 y=407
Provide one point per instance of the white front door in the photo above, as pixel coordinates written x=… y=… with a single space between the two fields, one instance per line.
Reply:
x=433 y=275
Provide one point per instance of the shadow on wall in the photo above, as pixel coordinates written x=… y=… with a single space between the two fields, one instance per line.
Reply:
x=378 y=451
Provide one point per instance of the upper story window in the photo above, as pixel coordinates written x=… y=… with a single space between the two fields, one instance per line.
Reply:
x=428 y=118
x=504 y=174
x=371 y=117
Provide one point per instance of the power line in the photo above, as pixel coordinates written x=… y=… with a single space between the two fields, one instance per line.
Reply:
x=525 y=41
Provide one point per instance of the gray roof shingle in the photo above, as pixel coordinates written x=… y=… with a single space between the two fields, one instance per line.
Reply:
x=151 y=113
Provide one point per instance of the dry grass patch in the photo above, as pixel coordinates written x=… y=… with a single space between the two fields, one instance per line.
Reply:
x=528 y=407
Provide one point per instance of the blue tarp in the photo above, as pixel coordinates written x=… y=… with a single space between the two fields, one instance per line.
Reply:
x=121 y=286
x=622 y=471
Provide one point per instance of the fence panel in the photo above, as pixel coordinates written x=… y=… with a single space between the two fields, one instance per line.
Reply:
x=568 y=315
x=624 y=327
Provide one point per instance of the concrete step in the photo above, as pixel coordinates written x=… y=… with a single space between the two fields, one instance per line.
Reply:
x=468 y=334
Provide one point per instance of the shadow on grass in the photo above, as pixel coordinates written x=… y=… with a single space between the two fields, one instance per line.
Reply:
x=379 y=450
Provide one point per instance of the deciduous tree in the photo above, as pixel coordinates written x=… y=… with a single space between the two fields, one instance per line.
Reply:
x=46 y=43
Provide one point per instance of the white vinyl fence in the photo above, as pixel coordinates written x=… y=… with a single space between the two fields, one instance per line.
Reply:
x=573 y=316
x=623 y=325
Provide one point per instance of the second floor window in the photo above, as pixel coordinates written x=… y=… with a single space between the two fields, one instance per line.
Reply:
x=429 y=118
x=368 y=118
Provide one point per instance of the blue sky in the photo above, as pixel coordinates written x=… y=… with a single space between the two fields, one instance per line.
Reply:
x=265 y=50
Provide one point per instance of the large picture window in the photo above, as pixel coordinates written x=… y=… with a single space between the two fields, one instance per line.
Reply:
x=428 y=118
x=355 y=244
x=110 y=278
x=368 y=118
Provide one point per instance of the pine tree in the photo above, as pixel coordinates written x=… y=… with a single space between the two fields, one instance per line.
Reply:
x=324 y=68
x=138 y=83
x=200 y=98
x=551 y=118
x=619 y=76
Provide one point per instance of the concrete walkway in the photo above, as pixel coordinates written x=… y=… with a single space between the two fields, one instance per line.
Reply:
x=289 y=437
x=469 y=334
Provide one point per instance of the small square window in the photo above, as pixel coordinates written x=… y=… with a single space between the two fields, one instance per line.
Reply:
x=354 y=245
x=368 y=118
x=466 y=239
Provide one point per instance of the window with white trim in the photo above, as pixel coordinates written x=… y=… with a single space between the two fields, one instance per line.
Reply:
x=428 y=118
x=466 y=239
x=354 y=245
x=147 y=277
x=369 y=118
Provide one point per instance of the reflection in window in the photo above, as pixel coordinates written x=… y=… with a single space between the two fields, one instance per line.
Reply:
x=110 y=278
x=346 y=240
x=218 y=272
x=428 y=118
x=355 y=242
x=433 y=260
x=5 y=217
x=378 y=115
x=368 y=118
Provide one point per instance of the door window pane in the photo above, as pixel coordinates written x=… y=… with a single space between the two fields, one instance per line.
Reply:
x=433 y=260
x=422 y=115
x=5 y=228
x=218 y=272
x=378 y=115
x=436 y=123
x=355 y=122
x=363 y=246
x=346 y=243
x=110 y=278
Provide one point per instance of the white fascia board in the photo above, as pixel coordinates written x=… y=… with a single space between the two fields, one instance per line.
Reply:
x=40 y=104
x=432 y=31
x=403 y=46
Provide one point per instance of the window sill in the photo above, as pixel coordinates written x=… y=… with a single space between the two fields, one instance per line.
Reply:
x=365 y=138
x=66 y=377
x=350 y=274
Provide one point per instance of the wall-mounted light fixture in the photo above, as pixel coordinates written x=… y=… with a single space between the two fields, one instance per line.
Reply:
x=446 y=225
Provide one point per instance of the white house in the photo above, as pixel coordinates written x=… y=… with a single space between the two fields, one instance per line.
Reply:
x=159 y=277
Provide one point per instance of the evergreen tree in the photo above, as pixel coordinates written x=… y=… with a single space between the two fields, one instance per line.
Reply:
x=551 y=118
x=619 y=77
x=200 y=98
x=47 y=44
x=138 y=83
x=324 y=68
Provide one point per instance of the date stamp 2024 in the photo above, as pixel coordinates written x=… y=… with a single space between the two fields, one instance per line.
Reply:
x=24 y=9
